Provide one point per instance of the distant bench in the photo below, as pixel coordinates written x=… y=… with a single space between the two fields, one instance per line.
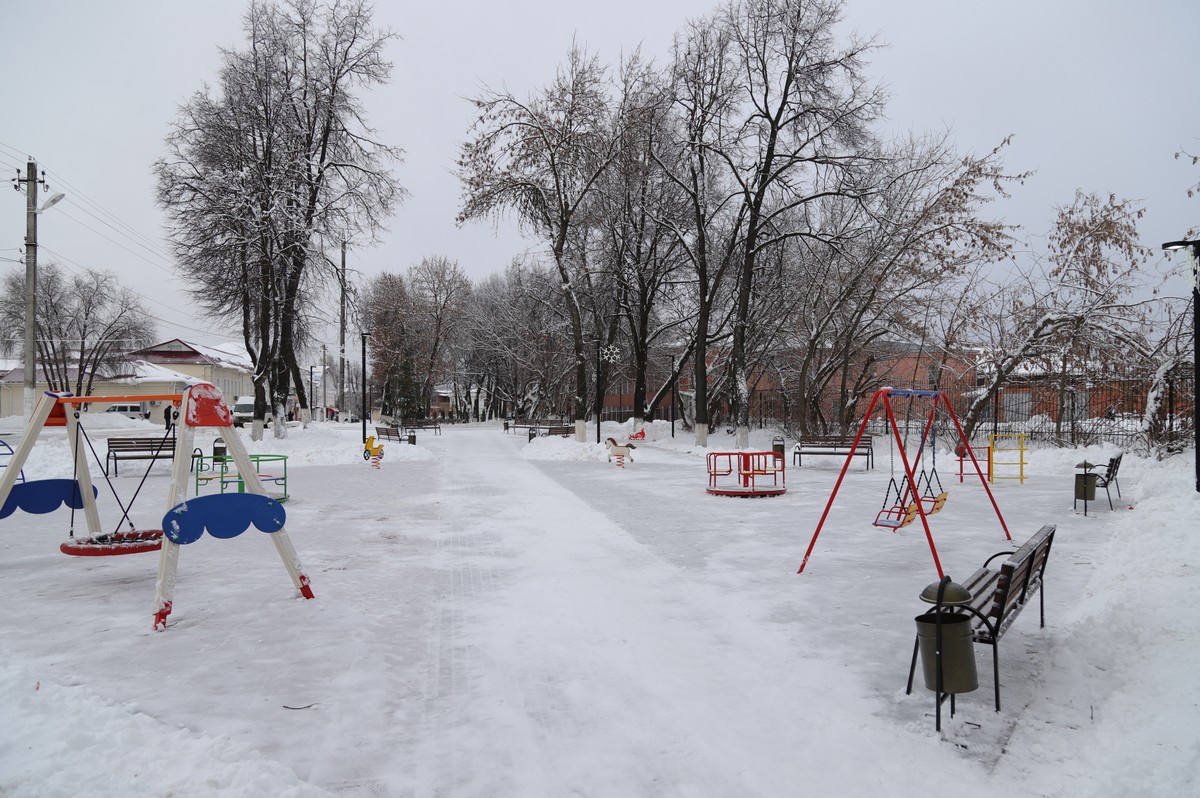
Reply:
x=550 y=429
x=833 y=445
x=999 y=594
x=535 y=426
x=138 y=449
x=421 y=423
x=390 y=434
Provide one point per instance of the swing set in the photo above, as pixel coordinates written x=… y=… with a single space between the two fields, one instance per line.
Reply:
x=222 y=516
x=916 y=495
x=78 y=493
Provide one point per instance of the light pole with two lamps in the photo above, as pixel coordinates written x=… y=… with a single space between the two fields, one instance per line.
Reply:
x=1194 y=247
x=32 y=210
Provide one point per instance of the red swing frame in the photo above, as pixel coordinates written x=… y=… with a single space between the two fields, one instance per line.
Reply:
x=885 y=394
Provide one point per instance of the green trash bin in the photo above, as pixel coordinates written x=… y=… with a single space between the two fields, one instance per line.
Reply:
x=1085 y=487
x=959 y=674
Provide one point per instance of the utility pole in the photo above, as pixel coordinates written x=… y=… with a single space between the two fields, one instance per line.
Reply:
x=342 y=340
x=31 y=191
x=324 y=371
x=31 y=213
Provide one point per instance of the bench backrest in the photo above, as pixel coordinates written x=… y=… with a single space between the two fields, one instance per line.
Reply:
x=1114 y=463
x=140 y=444
x=1020 y=576
x=832 y=440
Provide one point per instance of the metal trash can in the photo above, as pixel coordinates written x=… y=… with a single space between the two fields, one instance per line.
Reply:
x=532 y=433
x=506 y=425
x=412 y=439
x=777 y=446
x=959 y=674
x=1085 y=487
x=220 y=452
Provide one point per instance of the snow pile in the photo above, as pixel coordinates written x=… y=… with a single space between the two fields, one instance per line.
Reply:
x=557 y=447
x=72 y=742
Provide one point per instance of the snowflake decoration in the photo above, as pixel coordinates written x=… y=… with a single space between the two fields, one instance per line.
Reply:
x=611 y=353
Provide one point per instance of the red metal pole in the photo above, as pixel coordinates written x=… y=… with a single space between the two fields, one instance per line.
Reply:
x=862 y=428
x=912 y=486
x=962 y=437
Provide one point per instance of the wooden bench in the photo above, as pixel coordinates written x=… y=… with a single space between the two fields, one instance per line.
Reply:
x=390 y=434
x=999 y=594
x=550 y=429
x=409 y=425
x=138 y=449
x=833 y=445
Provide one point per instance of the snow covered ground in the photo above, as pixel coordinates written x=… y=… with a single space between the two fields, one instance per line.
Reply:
x=501 y=618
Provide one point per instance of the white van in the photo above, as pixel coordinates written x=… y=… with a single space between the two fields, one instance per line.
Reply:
x=129 y=411
x=243 y=411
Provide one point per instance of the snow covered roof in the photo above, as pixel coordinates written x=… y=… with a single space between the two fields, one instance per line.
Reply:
x=231 y=354
x=143 y=372
x=227 y=355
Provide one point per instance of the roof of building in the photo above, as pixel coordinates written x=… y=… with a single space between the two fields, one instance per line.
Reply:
x=228 y=355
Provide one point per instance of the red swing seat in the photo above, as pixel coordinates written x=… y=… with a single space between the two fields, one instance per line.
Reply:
x=896 y=517
x=132 y=542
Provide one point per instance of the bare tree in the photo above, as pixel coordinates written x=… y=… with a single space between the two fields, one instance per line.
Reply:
x=542 y=159
x=439 y=292
x=86 y=324
x=1078 y=295
x=278 y=161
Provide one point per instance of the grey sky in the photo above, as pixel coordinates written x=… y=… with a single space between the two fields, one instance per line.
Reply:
x=1099 y=95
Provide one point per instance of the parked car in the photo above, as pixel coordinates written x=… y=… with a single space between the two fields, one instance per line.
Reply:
x=129 y=411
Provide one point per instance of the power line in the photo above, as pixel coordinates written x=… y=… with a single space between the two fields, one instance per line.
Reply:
x=129 y=231
x=78 y=267
x=140 y=257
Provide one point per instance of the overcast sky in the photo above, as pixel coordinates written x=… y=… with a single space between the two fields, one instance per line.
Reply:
x=1099 y=94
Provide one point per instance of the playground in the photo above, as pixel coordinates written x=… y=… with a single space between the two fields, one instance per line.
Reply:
x=495 y=616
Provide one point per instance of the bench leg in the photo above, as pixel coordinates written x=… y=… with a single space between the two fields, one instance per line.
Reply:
x=912 y=667
x=996 y=672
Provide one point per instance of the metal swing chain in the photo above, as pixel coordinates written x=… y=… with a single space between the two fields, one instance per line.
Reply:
x=145 y=475
x=125 y=510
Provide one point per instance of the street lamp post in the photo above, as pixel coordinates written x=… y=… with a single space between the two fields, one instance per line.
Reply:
x=31 y=214
x=599 y=395
x=1194 y=246
x=612 y=354
x=363 y=415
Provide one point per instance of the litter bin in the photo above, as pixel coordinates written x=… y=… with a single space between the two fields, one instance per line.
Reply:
x=959 y=674
x=1085 y=487
x=532 y=433
x=506 y=425
x=412 y=439
x=777 y=446
x=219 y=451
